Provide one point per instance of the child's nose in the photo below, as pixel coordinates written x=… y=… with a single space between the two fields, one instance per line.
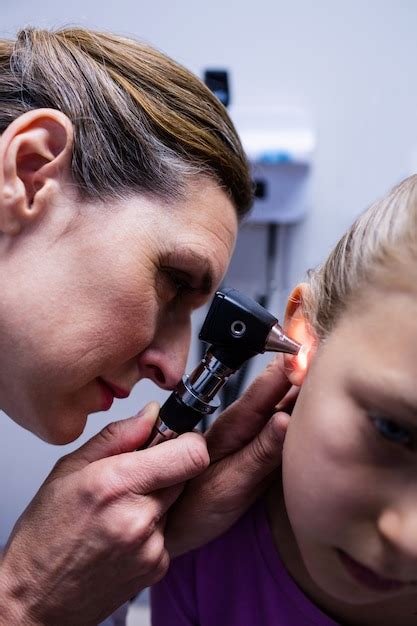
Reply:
x=400 y=529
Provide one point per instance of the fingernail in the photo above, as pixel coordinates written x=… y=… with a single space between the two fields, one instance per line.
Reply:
x=151 y=409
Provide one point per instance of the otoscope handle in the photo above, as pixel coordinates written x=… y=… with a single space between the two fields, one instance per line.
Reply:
x=160 y=433
x=175 y=418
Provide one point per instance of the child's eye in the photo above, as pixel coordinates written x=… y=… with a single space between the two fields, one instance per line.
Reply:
x=392 y=431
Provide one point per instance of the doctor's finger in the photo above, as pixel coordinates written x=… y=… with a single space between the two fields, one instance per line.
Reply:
x=145 y=471
x=244 y=419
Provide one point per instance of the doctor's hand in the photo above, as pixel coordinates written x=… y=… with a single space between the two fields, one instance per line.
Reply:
x=245 y=446
x=93 y=535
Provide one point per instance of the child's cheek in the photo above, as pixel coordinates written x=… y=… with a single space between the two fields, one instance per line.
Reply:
x=324 y=474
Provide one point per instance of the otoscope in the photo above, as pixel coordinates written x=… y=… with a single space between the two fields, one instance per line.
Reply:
x=237 y=328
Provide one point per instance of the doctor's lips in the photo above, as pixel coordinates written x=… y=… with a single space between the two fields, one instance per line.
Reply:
x=368 y=578
x=110 y=391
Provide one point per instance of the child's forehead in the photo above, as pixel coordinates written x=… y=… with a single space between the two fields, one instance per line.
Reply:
x=378 y=337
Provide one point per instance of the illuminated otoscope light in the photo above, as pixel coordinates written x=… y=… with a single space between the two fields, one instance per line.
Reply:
x=302 y=357
x=237 y=328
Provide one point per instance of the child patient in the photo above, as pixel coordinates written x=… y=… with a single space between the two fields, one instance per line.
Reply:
x=334 y=540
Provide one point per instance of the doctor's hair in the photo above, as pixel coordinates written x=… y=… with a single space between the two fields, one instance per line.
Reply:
x=379 y=250
x=142 y=122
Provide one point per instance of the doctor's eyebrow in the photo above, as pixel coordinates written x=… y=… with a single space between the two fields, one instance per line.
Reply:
x=184 y=258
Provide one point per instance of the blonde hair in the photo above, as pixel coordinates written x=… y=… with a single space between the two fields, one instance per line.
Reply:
x=141 y=121
x=380 y=248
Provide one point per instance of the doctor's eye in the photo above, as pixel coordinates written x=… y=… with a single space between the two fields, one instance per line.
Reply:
x=180 y=282
x=391 y=430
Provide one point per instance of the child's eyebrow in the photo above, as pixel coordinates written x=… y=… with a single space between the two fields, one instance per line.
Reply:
x=384 y=395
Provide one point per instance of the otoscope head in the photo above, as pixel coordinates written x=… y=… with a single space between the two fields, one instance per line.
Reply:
x=239 y=328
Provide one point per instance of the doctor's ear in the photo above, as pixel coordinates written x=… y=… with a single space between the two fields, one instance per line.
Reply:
x=35 y=156
x=297 y=327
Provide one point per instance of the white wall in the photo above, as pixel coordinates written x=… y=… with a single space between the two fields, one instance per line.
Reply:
x=351 y=64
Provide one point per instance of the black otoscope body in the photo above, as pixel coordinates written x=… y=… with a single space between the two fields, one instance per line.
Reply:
x=237 y=328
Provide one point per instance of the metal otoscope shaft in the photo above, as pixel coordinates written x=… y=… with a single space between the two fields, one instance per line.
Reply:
x=237 y=328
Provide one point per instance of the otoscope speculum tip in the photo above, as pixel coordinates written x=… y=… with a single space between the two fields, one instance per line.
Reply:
x=278 y=341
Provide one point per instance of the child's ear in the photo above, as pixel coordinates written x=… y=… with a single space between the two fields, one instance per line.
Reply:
x=35 y=152
x=297 y=327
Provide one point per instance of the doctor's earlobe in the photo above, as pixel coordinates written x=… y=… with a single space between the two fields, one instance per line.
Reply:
x=297 y=327
x=35 y=151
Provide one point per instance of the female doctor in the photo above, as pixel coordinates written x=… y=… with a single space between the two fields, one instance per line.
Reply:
x=122 y=183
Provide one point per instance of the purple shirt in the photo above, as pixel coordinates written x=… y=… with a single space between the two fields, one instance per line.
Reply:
x=236 y=580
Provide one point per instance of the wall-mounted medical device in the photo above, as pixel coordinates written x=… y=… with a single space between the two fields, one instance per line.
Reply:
x=279 y=144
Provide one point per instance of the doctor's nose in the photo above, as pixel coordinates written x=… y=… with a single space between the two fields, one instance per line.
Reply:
x=164 y=360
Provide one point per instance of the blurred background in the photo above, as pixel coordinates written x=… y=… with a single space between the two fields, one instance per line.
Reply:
x=326 y=99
